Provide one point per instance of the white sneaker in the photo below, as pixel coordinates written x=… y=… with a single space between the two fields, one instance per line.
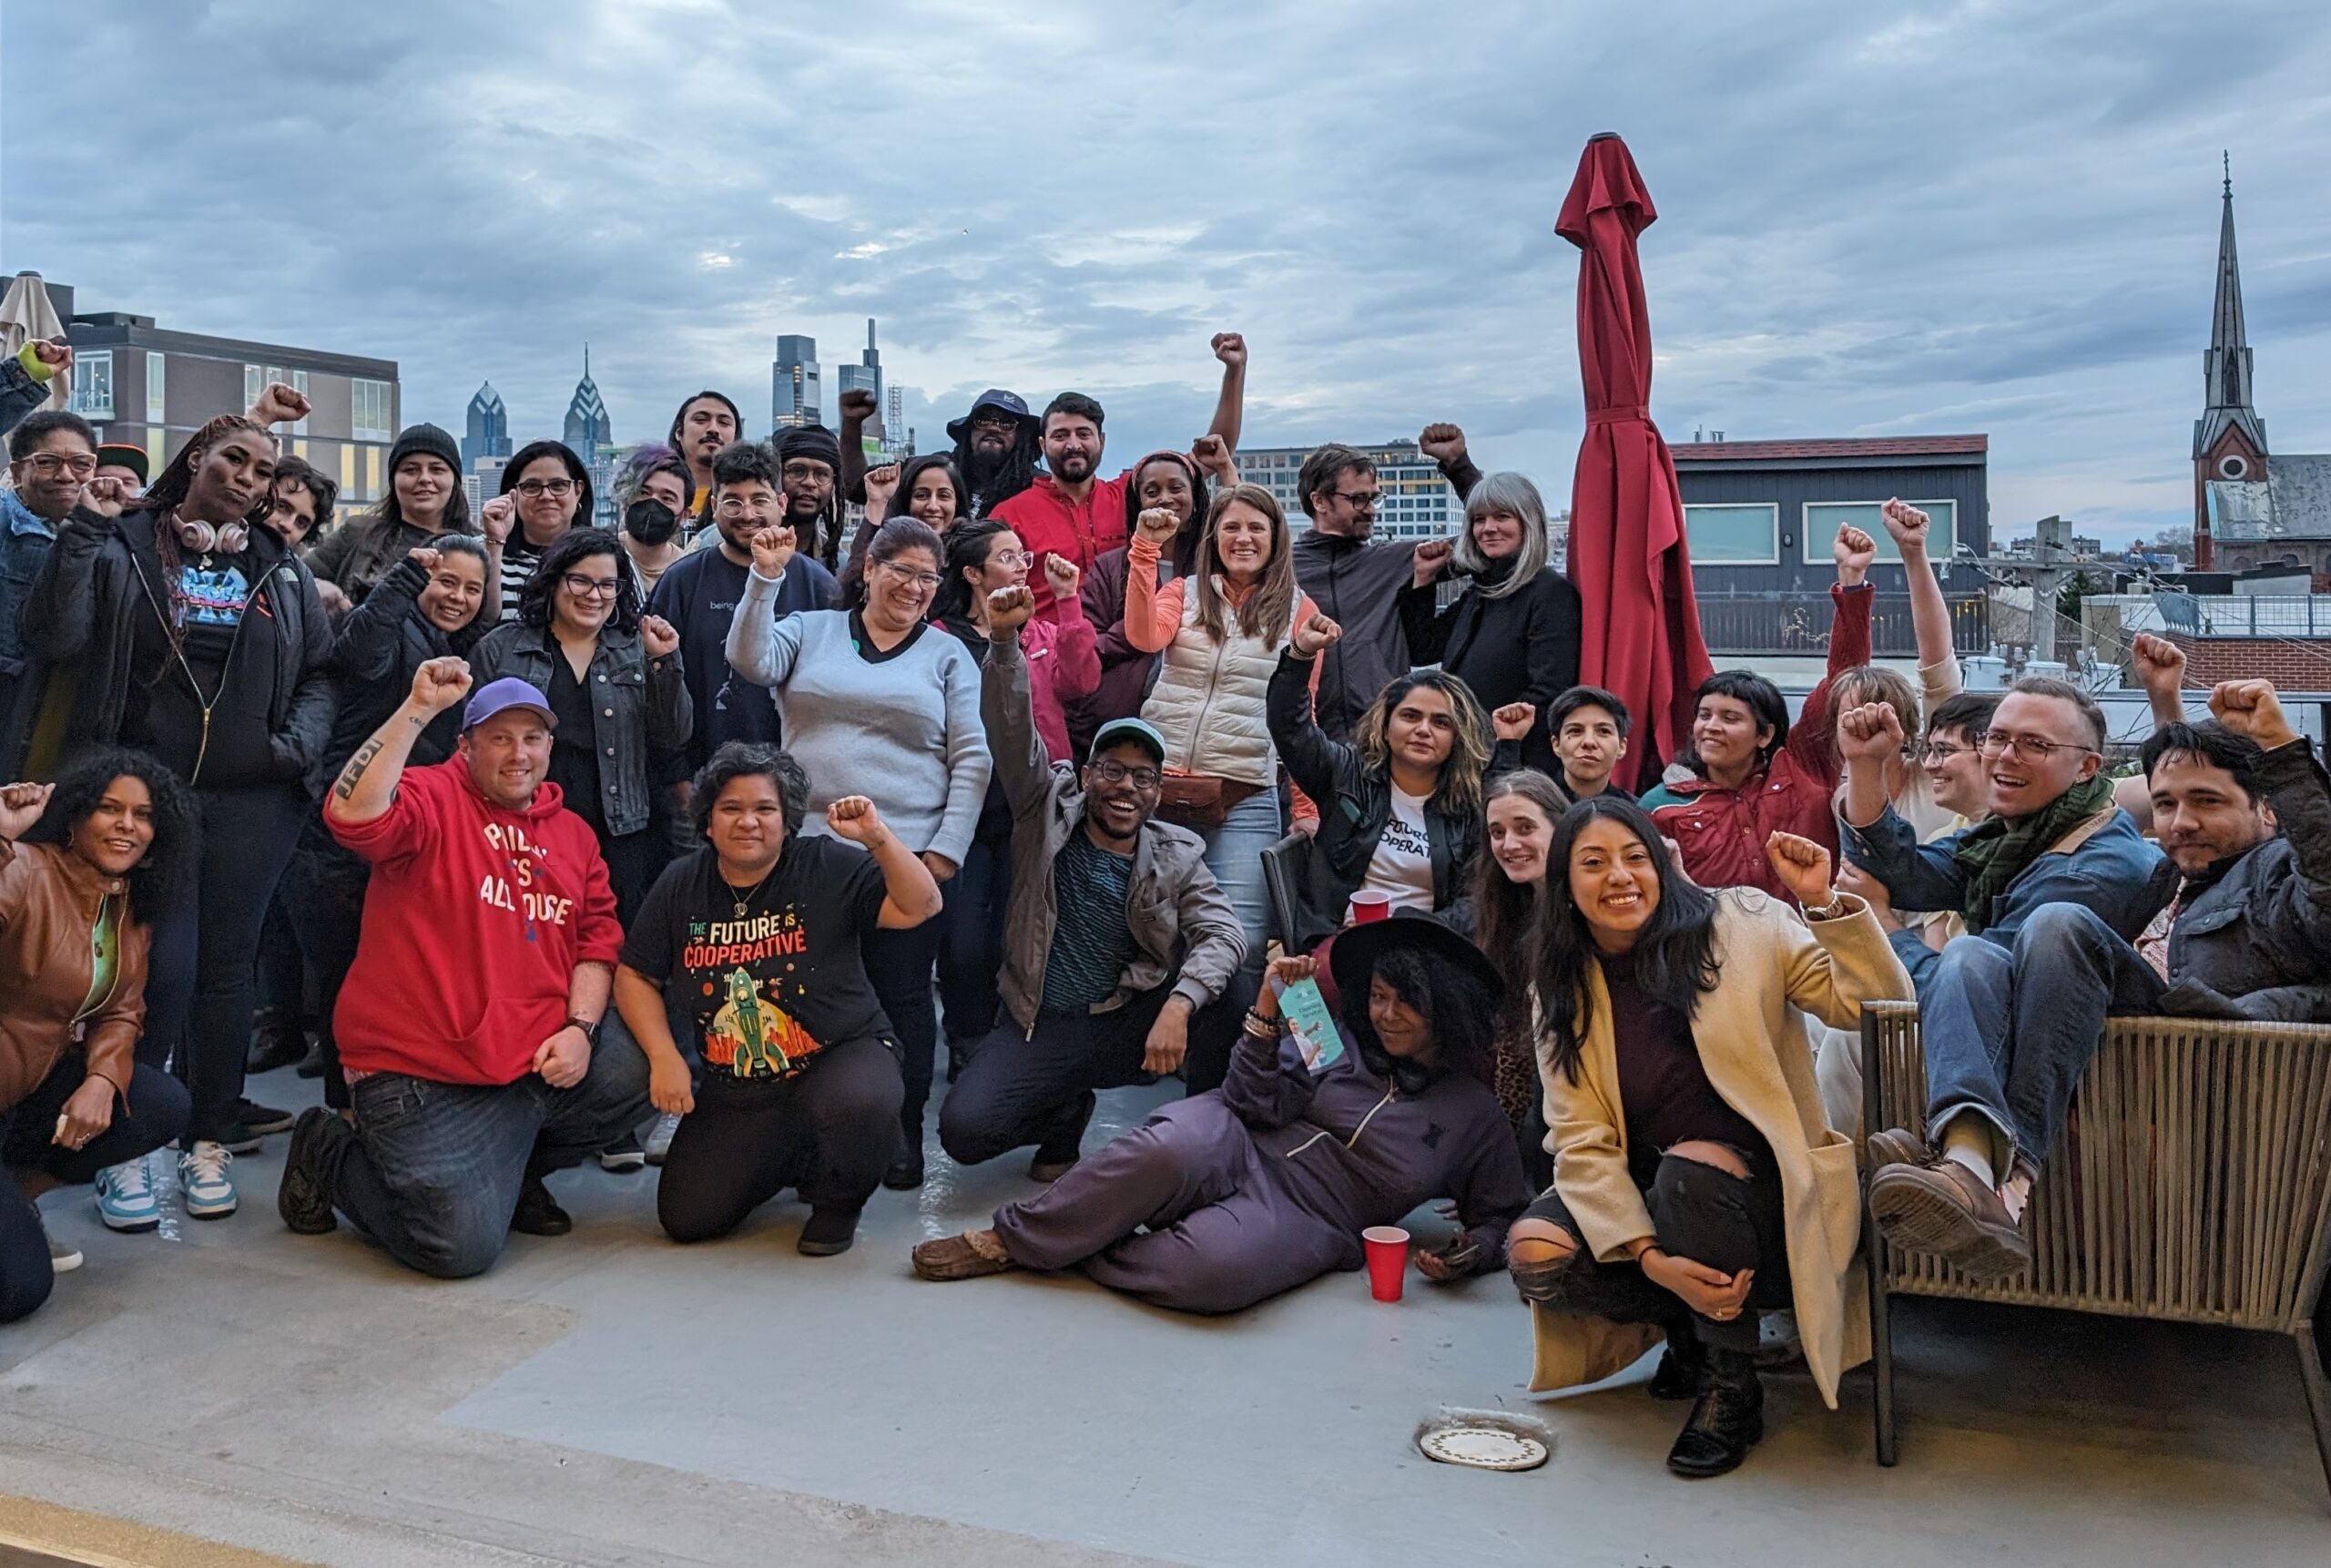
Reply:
x=658 y=1141
x=202 y=1172
x=63 y=1257
x=126 y=1197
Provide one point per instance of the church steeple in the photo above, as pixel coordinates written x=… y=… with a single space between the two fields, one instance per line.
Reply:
x=2226 y=366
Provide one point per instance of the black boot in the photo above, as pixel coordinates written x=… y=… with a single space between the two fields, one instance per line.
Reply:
x=1728 y=1421
x=905 y=1174
x=1681 y=1366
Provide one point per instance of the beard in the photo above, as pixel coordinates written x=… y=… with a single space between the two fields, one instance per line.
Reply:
x=1074 y=470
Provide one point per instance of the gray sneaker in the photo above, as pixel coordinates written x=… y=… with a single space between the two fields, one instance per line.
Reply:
x=63 y=1257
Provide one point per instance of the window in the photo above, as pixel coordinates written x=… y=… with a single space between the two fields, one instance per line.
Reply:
x=1823 y=519
x=1733 y=534
x=93 y=384
x=300 y=385
x=348 y=470
x=156 y=404
x=254 y=383
x=369 y=410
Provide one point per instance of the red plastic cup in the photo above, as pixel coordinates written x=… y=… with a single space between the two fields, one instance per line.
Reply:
x=1388 y=1261
x=1368 y=905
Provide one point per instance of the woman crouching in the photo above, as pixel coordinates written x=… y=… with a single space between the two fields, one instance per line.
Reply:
x=1695 y=1181
x=1229 y=1197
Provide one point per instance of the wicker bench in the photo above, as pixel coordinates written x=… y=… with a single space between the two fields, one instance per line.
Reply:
x=2192 y=1184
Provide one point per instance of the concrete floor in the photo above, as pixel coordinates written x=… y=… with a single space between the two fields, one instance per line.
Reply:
x=609 y=1398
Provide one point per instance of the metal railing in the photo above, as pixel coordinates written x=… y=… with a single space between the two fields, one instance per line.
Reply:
x=2222 y=615
x=1798 y=624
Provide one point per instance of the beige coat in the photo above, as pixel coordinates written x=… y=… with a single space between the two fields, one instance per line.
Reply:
x=1752 y=1040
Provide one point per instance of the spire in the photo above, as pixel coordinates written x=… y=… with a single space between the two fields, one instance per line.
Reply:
x=2225 y=367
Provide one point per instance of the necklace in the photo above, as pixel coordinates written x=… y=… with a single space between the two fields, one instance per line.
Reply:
x=748 y=898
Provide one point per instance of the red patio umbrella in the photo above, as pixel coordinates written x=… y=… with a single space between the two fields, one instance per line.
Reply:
x=1640 y=639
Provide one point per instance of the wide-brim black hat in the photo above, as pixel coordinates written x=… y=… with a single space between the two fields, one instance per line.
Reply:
x=1358 y=947
x=1010 y=402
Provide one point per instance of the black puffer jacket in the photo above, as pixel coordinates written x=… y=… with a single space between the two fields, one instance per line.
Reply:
x=379 y=644
x=1354 y=801
x=103 y=574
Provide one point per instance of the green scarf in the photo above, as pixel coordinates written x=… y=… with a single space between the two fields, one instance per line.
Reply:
x=1993 y=853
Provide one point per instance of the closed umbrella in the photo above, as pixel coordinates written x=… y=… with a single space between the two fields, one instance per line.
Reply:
x=1640 y=634
x=26 y=314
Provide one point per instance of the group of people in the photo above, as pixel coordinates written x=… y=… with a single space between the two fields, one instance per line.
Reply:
x=688 y=841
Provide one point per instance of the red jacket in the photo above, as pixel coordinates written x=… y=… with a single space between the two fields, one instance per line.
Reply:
x=1049 y=524
x=1720 y=832
x=474 y=920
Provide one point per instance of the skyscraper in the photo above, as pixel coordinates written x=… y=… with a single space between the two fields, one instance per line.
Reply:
x=867 y=374
x=793 y=382
x=489 y=428
x=591 y=436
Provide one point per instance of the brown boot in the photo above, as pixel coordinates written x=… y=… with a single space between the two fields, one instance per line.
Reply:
x=1894 y=1146
x=1946 y=1209
x=965 y=1257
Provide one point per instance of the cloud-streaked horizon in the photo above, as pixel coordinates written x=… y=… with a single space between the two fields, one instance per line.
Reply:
x=1944 y=218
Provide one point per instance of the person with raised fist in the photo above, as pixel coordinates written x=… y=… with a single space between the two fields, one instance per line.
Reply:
x=30 y=376
x=52 y=466
x=875 y=700
x=424 y=499
x=2230 y=925
x=1219 y=634
x=474 y=1027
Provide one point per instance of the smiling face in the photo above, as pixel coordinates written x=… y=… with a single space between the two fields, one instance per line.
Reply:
x=1242 y=541
x=705 y=426
x=1520 y=835
x=1006 y=566
x=1399 y=1028
x=1954 y=770
x=423 y=485
x=1420 y=730
x=49 y=477
x=1497 y=535
x=1727 y=735
x=1613 y=883
x=2022 y=781
x=456 y=589
x=746 y=825
x=508 y=756
x=742 y=509
x=584 y=598
x=231 y=478
x=1121 y=787
x=900 y=590
x=115 y=836
x=1165 y=482
x=2200 y=814
x=547 y=496
x=1590 y=746
x=932 y=500
x=1072 y=447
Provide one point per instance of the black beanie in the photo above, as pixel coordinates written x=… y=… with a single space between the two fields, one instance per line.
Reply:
x=811 y=440
x=418 y=440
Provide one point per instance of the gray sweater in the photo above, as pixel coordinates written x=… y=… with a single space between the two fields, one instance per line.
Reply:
x=903 y=731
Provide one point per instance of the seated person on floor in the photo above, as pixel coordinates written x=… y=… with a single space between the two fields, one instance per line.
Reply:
x=2236 y=924
x=751 y=948
x=1121 y=954
x=102 y=848
x=1399 y=804
x=1695 y=1181
x=470 y=1026
x=1228 y=1198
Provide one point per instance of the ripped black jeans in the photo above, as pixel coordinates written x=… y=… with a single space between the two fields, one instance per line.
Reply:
x=1698 y=1212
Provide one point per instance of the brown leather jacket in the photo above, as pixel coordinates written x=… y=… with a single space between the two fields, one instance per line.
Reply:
x=49 y=901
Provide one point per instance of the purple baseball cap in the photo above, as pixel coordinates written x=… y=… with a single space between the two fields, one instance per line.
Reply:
x=508 y=692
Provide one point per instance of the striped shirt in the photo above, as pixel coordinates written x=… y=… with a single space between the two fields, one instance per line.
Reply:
x=1091 y=945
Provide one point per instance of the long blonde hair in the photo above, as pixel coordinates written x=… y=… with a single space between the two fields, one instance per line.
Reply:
x=1268 y=609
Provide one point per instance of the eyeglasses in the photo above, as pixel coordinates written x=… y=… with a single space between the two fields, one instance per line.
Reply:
x=1358 y=500
x=1003 y=421
x=1012 y=558
x=584 y=587
x=1109 y=770
x=49 y=464
x=927 y=581
x=2032 y=747
x=808 y=471
x=737 y=505
x=1940 y=751
x=536 y=489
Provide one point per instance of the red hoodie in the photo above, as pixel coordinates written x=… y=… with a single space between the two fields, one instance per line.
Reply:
x=1049 y=523
x=474 y=920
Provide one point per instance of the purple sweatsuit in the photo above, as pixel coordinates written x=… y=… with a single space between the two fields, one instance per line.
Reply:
x=1266 y=1182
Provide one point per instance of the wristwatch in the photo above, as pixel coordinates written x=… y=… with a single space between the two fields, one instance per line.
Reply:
x=1829 y=910
x=590 y=1027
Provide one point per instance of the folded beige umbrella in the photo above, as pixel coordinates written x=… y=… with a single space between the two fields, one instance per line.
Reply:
x=26 y=314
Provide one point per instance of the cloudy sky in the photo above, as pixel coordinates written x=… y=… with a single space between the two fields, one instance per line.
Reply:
x=1874 y=218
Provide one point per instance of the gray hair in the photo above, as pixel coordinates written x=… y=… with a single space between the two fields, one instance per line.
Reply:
x=1504 y=493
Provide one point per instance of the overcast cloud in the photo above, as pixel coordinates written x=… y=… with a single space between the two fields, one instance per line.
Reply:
x=1874 y=218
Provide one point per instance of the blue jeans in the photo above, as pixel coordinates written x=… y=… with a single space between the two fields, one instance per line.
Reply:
x=435 y=1169
x=2008 y=1030
x=1233 y=853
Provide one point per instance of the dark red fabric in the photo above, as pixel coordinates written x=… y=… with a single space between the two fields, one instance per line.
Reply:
x=1640 y=627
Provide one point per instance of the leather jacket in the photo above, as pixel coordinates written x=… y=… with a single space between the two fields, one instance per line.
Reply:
x=49 y=902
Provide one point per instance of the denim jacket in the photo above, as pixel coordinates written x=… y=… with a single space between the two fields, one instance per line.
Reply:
x=2103 y=864
x=639 y=707
x=19 y=394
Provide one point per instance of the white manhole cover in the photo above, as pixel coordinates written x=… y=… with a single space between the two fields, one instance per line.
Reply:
x=1482 y=1447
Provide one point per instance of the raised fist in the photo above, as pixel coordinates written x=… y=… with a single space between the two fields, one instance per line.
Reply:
x=1008 y=610
x=105 y=496
x=279 y=404
x=1212 y=454
x=2159 y=664
x=1158 y=524
x=772 y=550
x=1870 y=733
x=20 y=807
x=858 y=405
x=421 y=556
x=853 y=817
x=496 y=516
x=1907 y=526
x=1442 y=443
x=1230 y=348
x=2250 y=707
x=56 y=354
x=440 y=683
x=657 y=635
x=880 y=483
x=1431 y=556
x=1314 y=635
x=1802 y=866
x=1853 y=550
x=1065 y=577
x=1514 y=720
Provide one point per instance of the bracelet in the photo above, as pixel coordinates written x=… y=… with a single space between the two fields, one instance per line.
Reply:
x=1829 y=910
x=1260 y=1027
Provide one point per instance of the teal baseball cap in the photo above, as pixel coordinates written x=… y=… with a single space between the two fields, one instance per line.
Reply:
x=1141 y=733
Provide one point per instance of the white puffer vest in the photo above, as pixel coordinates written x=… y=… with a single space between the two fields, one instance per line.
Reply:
x=1209 y=701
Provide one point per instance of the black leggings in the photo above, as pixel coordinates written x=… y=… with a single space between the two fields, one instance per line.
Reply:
x=1699 y=1212
x=831 y=1130
x=898 y=966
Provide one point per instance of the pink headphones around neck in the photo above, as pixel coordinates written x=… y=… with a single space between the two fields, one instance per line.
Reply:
x=202 y=539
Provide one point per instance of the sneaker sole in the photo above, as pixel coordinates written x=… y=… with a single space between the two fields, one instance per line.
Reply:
x=211 y=1210
x=624 y=1165
x=1912 y=1217
x=130 y=1227
x=66 y=1264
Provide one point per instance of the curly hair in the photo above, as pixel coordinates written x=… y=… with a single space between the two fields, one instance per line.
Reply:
x=748 y=759
x=1459 y=1011
x=559 y=558
x=167 y=866
x=1458 y=792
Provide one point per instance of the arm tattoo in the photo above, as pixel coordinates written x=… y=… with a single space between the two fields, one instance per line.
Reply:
x=355 y=768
